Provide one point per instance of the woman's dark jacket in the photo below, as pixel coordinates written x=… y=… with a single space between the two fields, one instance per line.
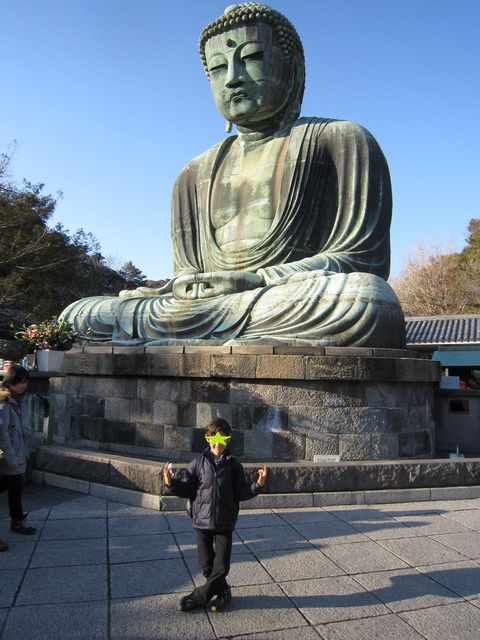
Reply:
x=215 y=490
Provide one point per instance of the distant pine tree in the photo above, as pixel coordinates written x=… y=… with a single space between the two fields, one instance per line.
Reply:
x=132 y=276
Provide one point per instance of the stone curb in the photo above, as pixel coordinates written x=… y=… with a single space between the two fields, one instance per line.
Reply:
x=264 y=501
x=268 y=501
x=284 y=477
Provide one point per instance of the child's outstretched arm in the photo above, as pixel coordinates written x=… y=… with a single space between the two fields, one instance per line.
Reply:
x=262 y=475
x=168 y=473
x=184 y=488
x=245 y=490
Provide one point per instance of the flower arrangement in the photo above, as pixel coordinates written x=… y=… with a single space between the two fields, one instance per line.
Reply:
x=54 y=334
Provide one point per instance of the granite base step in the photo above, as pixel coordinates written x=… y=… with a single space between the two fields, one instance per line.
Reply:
x=289 y=485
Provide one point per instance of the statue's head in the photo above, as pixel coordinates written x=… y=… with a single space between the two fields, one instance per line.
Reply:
x=254 y=60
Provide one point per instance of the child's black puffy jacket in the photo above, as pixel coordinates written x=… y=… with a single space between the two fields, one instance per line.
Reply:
x=215 y=490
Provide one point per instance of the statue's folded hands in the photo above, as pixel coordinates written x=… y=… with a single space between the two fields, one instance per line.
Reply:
x=209 y=285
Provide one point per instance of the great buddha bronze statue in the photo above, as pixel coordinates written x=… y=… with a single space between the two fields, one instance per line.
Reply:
x=281 y=232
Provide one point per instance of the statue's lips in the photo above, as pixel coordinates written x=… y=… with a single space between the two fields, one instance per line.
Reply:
x=238 y=95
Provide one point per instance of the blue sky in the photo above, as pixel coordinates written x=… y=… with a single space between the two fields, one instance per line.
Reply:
x=107 y=100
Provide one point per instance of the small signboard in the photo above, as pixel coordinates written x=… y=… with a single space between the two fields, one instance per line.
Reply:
x=326 y=458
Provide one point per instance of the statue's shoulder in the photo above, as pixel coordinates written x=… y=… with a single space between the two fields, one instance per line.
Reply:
x=205 y=161
x=330 y=126
x=331 y=132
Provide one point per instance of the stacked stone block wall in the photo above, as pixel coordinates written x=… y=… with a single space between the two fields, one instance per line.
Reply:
x=285 y=404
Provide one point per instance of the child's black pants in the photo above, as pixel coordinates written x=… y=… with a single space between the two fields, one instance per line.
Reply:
x=214 y=549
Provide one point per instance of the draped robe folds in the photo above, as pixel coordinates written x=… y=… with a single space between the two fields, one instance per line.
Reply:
x=324 y=260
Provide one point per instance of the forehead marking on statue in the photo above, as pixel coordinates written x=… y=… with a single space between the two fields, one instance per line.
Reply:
x=251 y=13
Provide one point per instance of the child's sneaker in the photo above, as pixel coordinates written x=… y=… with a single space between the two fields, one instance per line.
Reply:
x=3 y=545
x=21 y=526
x=187 y=603
x=221 y=600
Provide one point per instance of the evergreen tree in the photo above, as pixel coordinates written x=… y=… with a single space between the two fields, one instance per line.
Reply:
x=43 y=269
x=468 y=265
x=132 y=276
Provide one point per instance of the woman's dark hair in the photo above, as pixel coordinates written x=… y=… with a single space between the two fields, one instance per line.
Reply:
x=218 y=425
x=14 y=375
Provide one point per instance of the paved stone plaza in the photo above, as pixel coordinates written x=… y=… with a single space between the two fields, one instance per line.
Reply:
x=101 y=569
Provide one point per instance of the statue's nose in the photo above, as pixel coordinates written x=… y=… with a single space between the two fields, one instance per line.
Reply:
x=235 y=74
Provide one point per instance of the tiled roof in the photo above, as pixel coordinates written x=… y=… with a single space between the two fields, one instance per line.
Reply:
x=443 y=330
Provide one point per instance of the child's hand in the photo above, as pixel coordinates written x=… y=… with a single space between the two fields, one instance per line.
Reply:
x=262 y=475
x=168 y=473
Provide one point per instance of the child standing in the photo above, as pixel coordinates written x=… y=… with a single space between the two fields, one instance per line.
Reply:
x=13 y=448
x=216 y=483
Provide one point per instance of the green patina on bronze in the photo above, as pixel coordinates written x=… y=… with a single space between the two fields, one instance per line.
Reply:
x=280 y=233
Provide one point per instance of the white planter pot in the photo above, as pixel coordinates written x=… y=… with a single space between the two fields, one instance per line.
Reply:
x=49 y=360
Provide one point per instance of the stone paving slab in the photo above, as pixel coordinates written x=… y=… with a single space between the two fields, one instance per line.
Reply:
x=157 y=617
x=71 y=529
x=468 y=518
x=388 y=529
x=388 y=626
x=463 y=578
x=430 y=523
x=460 y=620
x=129 y=525
x=354 y=513
x=271 y=538
x=77 y=621
x=301 y=516
x=53 y=585
x=466 y=543
x=298 y=633
x=23 y=550
x=421 y=552
x=64 y=553
x=85 y=507
x=405 y=589
x=332 y=599
x=10 y=581
x=256 y=609
x=251 y=519
x=113 y=571
x=321 y=536
x=363 y=557
x=142 y=548
x=302 y=564
x=245 y=570
x=133 y=579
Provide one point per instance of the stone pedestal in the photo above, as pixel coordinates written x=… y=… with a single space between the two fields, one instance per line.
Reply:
x=284 y=403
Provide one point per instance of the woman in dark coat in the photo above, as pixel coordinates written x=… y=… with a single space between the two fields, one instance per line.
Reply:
x=14 y=452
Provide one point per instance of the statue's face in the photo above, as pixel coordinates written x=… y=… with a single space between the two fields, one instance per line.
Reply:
x=250 y=78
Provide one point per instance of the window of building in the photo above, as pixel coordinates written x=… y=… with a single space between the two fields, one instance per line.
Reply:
x=459 y=406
